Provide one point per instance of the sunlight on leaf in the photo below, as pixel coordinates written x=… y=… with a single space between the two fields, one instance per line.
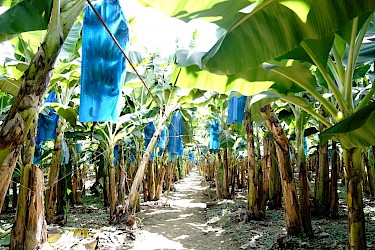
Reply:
x=301 y=8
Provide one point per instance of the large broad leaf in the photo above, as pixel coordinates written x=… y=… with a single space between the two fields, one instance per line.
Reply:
x=69 y=50
x=187 y=137
x=27 y=15
x=356 y=130
x=272 y=29
x=68 y=113
x=266 y=29
x=247 y=83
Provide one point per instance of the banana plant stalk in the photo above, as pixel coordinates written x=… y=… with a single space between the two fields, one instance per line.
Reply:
x=34 y=83
x=292 y=213
x=132 y=198
x=304 y=197
x=322 y=177
x=333 y=196
x=29 y=229
x=253 y=200
x=53 y=175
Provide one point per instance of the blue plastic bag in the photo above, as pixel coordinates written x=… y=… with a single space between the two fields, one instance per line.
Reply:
x=38 y=154
x=47 y=122
x=214 y=135
x=103 y=65
x=175 y=130
x=191 y=157
x=149 y=131
x=162 y=141
x=115 y=153
x=47 y=125
x=236 y=109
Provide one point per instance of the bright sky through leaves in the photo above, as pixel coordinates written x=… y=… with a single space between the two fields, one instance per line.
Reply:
x=158 y=33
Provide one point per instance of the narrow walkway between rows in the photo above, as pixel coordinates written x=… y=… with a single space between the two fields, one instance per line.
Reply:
x=181 y=224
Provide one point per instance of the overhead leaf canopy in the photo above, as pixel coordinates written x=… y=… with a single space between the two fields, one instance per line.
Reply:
x=248 y=82
x=266 y=29
x=271 y=30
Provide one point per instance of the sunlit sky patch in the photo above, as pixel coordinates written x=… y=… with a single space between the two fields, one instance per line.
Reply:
x=156 y=32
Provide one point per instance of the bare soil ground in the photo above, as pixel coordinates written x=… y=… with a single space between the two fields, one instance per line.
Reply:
x=188 y=219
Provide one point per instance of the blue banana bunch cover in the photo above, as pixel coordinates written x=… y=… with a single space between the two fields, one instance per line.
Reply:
x=47 y=125
x=149 y=131
x=175 y=130
x=115 y=152
x=214 y=135
x=191 y=157
x=236 y=109
x=162 y=141
x=47 y=122
x=103 y=65
x=38 y=153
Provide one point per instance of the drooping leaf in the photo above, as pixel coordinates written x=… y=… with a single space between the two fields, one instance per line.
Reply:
x=226 y=139
x=247 y=83
x=70 y=114
x=69 y=50
x=272 y=30
x=356 y=130
x=10 y=86
x=27 y=15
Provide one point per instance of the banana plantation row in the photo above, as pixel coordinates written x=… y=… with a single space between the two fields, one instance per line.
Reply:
x=258 y=161
x=312 y=61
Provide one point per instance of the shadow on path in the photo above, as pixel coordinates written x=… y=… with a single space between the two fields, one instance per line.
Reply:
x=180 y=224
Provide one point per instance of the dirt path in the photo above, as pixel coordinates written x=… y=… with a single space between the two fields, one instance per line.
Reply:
x=177 y=221
x=182 y=224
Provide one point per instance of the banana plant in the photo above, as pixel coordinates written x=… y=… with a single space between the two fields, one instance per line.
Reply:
x=301 y=118
x=314 y=29
x=66 y=88
x=108 y=135
x=33 y=83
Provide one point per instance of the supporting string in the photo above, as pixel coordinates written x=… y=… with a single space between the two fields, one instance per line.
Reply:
x=123 y=53
x=128 y=60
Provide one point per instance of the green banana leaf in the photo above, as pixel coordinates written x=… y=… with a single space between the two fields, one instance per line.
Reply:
x=70 y=114
x=356 y=130
x=193 y=77
x=265 y=29
x=187 y=137
x=27 y=15
x=266 y=97
x=69 y=50
x=248 y=82
x=10 y=86
x=272 y=30
x=226 y=139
